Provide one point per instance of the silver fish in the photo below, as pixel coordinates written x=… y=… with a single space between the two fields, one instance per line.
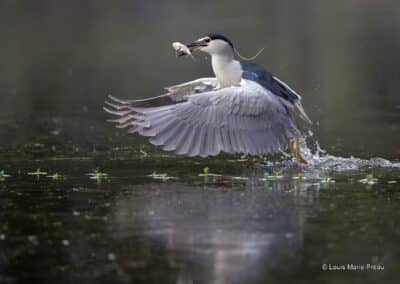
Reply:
x=181 y=49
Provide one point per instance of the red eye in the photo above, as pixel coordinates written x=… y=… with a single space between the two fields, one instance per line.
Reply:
x=207 y=40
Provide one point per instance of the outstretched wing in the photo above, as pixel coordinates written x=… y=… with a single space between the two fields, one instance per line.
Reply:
x=175 y=94
x=246 y=119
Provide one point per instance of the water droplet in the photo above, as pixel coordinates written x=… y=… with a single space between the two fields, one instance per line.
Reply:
x=288 y=235
x=33 y=239
x=111 y=257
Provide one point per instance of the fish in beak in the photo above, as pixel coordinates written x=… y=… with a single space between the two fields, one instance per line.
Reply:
x=182 y=49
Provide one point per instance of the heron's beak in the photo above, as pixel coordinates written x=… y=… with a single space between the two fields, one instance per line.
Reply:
x=196 y=45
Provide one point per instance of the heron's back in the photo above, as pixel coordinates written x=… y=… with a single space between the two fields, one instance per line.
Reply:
x=259 y=74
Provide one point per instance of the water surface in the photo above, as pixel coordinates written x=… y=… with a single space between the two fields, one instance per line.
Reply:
x=233 y=228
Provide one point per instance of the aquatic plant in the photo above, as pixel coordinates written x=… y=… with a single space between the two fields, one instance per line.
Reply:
x=3 y=175
x=276 y=175
x=55 y=176
x=369 y=179
x=206 y=173
x=163 y=177
x=97 y=175
x=38 y=173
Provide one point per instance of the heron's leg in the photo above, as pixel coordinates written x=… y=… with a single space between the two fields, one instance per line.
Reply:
x=294 y=147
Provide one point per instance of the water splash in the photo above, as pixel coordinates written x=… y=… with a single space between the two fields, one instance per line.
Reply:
x=320 y=159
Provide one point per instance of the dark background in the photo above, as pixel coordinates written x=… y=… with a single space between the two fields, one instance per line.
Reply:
x=59 y=60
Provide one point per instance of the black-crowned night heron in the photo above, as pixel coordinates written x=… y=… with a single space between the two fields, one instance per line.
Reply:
x=243 y=110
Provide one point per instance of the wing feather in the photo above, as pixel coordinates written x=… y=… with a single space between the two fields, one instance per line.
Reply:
x=246 y=119
x=187 y=140
x=195 y=149
x=227 y=145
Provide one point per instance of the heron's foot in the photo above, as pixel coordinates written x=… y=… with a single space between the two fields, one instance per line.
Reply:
x=294 y=147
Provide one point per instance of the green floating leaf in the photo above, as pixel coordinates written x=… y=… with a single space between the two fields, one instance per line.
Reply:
x=369 y=179
x=206 y=173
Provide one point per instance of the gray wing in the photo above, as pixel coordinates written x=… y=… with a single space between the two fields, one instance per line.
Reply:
x=175 y=94
x=247 y=119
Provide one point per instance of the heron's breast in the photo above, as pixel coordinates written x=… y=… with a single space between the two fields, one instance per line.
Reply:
x=228 y=73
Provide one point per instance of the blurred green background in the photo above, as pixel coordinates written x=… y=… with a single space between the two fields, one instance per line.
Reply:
x=59 y=60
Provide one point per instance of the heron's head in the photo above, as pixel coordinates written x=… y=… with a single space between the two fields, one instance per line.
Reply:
x=213 y=44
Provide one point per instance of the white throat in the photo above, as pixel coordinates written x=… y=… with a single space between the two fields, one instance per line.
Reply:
x=227 y=70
